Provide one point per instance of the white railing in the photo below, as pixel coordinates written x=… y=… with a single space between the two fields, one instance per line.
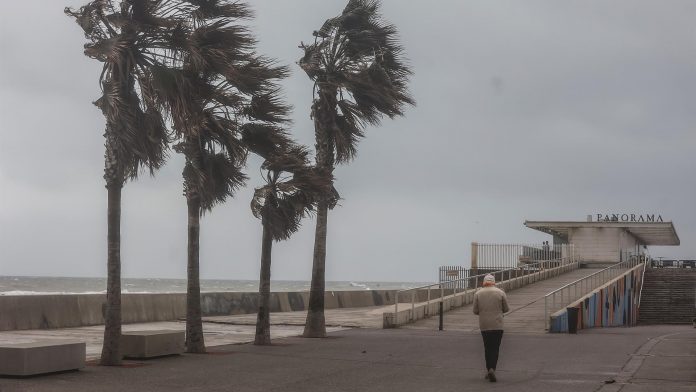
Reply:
x=502 y=256
x=547 y=268
x=565 y=295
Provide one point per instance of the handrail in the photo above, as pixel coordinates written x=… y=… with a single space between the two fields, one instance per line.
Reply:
x=586 y=284
x=642 y=282
x=519 y=271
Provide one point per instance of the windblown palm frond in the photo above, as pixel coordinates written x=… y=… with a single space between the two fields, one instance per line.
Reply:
x=213 y=177
x=357 y=61
x=128 y=37
x=291 y=191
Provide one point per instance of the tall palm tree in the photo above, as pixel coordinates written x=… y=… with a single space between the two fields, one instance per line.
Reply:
x=359 y=77
x=127 y=37
x=292 y=189
x=221 y=89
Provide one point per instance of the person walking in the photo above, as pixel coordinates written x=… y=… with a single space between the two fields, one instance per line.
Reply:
x=490 y=303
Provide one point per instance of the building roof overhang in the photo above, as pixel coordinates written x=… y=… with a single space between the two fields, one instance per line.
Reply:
x=647 y=233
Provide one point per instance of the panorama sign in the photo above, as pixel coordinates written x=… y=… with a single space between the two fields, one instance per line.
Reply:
x=629 y=218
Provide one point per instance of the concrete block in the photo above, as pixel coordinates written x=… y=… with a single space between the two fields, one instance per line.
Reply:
x=149 y=344
x=46 y=356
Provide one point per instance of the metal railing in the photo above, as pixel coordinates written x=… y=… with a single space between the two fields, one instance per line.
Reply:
x=642 y=283
x=565 y=295
x=471 y=283
x=501 y=256
x=662 y=263
x=453 y=276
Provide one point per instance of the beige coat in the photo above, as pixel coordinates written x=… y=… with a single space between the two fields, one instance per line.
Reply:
x=490 y=303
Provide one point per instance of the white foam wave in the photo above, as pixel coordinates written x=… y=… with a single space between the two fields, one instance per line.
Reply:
x=23 y=292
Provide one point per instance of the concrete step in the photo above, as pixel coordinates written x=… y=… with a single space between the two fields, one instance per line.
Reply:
x=668 y=297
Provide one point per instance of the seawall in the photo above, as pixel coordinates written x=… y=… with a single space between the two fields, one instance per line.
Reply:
x=77 y=310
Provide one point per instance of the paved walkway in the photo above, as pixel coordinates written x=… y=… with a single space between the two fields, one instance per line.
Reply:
x=408 y=360
x=218 y=331
x=526 y=308
x=527 y=316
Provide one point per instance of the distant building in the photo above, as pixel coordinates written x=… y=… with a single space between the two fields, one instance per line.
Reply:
x=609 y=238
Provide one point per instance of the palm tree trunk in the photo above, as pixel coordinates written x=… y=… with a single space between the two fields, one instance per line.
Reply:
x=315 y=325
x=194 y=325
x=111 y=349
x=263 y=321
x=324 y=113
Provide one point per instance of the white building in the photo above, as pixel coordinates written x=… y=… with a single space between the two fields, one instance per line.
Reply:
x=609 y=238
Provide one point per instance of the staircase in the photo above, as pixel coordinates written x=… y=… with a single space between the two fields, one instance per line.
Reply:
x=669 y=296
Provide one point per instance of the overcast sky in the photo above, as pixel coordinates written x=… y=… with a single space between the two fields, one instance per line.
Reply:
x=539 y=110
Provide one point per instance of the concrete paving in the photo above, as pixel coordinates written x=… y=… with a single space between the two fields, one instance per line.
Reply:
x=359 y=356
x=526 y=308
x=527 y=316
x=219 y=330
x=215 y=334
x=404 y=360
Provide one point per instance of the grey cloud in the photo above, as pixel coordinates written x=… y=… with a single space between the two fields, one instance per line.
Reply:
x=534 y=110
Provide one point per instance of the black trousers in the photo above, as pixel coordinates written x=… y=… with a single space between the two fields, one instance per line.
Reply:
x=491 y=343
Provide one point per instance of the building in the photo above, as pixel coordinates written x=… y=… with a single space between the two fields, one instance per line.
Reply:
x=609 y=238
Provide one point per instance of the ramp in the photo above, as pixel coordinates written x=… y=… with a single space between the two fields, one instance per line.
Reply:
x=526 y=307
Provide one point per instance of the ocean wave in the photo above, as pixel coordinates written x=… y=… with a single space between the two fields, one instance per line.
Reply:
x=364 y=286
x=124 y=291
x=24 y=292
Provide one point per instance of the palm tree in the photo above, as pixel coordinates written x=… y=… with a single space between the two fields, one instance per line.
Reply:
x=125 y=36
x=292 y=188
x=221 y=89
x=359 y=77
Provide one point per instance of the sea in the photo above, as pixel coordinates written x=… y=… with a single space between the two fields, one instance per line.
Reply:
x=38 y=285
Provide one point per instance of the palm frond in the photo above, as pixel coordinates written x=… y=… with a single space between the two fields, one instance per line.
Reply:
x=292 y=190
x=264 y=140
x=356 y=60
x=212 y=177
x=268 y=106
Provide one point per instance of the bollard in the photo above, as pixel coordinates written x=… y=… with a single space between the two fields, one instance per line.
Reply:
x=572 y=320
x=441 y=316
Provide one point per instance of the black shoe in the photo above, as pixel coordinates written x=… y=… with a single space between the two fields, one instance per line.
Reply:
x=491 y=375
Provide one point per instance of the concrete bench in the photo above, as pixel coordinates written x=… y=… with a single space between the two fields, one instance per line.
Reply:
x=46 y=356
x=149 y=344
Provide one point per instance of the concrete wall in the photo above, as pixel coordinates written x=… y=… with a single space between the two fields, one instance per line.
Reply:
x=596 y=244
x=612 y=305
x=628 y=242
x=602 y=244
x=76 y=310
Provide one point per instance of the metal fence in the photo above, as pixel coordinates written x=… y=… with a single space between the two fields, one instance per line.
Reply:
x=503 y=256
x=664 y=263
x=453 y=276
x=565 y=295
x=457 y=277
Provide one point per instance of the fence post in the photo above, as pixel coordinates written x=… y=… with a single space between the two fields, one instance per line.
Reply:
x=427 y=308
x=413 y=305
x=441 y=316
x=396 y=307
x=546 y=312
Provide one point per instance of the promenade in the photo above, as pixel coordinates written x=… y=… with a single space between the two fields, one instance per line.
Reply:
x=360 y=356
x=639 y=359
x=526 y=304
